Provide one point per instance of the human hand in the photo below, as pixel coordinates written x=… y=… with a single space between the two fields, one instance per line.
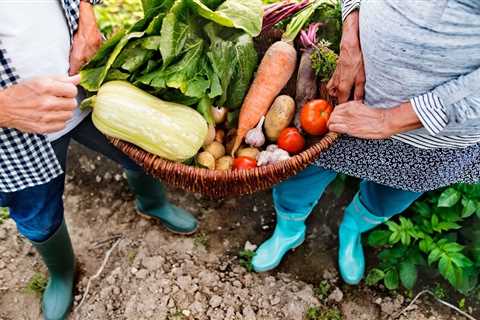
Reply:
x=40 y=105
x=349 y=74
x=358 y=120
x=86 y=40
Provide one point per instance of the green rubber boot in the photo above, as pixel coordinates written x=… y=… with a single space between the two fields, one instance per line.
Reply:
x=57 y=253
x=152 y=202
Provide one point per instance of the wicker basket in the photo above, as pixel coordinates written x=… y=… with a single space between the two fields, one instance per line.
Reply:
x=219 y=184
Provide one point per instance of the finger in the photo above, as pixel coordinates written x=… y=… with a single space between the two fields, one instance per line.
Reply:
x=74 y=79
x=338 y=127
x=332 y=85
x=63 y=87
x=59 y=104
x=57 y=117
x=344 y=90
x=359 y=92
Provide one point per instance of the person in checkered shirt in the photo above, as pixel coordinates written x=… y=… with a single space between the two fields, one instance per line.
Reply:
x=43 y=44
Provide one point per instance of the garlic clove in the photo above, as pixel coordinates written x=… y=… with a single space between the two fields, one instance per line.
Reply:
x=255 y=136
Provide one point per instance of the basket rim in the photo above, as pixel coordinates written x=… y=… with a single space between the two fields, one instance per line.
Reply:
x=214 y=174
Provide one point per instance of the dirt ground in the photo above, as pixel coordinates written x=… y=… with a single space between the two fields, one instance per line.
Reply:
x=153 y=274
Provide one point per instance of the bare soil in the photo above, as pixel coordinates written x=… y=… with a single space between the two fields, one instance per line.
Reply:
x=153 y=274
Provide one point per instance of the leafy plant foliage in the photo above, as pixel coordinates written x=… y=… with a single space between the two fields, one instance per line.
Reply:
x=442 y=232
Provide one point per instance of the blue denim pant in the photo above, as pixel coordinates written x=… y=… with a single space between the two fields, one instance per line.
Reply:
x=299 y=194
x=38 y=211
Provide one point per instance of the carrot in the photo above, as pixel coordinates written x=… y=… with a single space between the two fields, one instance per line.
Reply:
x=276 y=68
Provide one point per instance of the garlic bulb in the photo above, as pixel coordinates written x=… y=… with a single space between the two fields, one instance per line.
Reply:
x=273 y=154
x=255 y=136
x=279 y=155
x=263 y=158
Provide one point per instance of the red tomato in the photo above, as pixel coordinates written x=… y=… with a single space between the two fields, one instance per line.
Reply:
x=314 y=117
x=244 y=163
x=291 y=140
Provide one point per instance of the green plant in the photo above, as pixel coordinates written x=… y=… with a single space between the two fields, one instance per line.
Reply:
x=201 y=239
x=442 y=232
x=246 y=257
x=37 y=284
x=4 y=215
x=323 y=289
x=113 y=15
x=317 y=313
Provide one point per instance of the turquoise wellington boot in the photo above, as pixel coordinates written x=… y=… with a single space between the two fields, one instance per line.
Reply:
x=152 y=202
x=57 y=253
x=356 y=220
x=289 y=234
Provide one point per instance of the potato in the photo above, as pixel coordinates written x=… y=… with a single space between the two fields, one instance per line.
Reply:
x=248 y=152
x=220 y=135
x=216 y=149
x=279 y=116
x=206 y=160
x=210 y=135
x=224 y=163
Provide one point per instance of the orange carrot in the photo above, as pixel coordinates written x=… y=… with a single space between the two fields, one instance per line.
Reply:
x=276 y=68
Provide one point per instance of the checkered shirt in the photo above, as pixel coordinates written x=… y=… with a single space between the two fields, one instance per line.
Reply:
x=27 y=160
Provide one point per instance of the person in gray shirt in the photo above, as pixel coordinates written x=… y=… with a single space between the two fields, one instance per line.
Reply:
x=408 y=87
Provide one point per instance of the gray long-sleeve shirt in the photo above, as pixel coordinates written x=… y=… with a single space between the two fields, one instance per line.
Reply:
x=426 y=52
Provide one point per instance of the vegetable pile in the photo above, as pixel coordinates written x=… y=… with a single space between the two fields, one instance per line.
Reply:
x=180 y=82
x=197 y=53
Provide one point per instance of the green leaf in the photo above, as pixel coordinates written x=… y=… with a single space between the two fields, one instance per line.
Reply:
x=426 y=245
x=92 y=79
x=205 y=108
x=460 y=260
x=374 y=276
x=469 y=207
x=422 y=208
x=452 y=247
x=246 y=63
x=434 y=255
x=246 y=15
x=449 y=198
x=408 y=274
x=378 y=238
x=174 y=32
x=391 y=280
x=447 y=270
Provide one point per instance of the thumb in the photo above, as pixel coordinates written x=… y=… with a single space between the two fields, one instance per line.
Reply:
x=68 y=79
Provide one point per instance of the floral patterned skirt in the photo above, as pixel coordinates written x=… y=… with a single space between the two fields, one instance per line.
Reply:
x=400 y=165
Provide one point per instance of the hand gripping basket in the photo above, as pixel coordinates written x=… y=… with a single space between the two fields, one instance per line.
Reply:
x=220 y=184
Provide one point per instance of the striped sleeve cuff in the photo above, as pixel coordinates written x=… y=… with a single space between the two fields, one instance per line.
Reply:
x=431 y=112
x=348 y=6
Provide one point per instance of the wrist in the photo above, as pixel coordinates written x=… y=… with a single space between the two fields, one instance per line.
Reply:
x=350 y=31
x=4 y=118
x=401 y=119
x=87 y=15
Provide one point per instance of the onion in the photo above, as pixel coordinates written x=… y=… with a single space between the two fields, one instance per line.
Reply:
x=219 y=114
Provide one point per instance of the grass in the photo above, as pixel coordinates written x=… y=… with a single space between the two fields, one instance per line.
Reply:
x=317 y=313
x=246 y=257
x=4 y=215
x=323 y=290
x=37 y=284
x=201 y=239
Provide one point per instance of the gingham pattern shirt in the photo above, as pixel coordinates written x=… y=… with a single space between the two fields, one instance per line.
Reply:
x=28 y=160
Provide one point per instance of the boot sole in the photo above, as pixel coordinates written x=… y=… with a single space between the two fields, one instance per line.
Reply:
x=187 y=233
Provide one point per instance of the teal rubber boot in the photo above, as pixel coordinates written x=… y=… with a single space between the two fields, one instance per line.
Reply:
x=57 y=253
x=289 y=234
x=356 y=220
x=152 y=202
